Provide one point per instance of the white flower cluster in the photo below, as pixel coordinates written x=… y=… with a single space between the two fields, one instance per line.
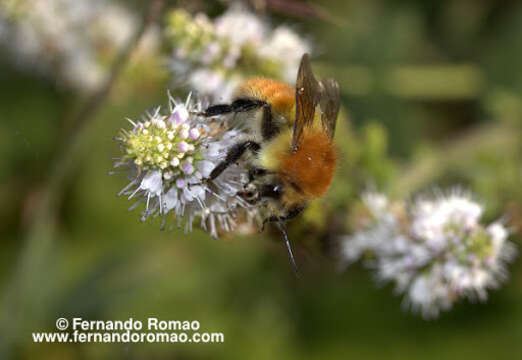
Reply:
x=70 y=40
x=169 y=157
x=436 y=251
x=214 y=57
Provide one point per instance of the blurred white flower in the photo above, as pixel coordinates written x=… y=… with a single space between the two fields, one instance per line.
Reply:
x=70 y=40
x=215 y=57
x=241 y=27
x=287 y=47
x=436 y=251
x=169 y=156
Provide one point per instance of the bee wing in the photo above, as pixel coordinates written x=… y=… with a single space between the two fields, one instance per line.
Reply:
x=330 y=101
x=308 y=94
x=307 y=90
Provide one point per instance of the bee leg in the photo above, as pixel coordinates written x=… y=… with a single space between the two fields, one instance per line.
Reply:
x=293 y=213
x=216 y=110
x=267 y=220
x=233 y=155
x=289 y=247
x=268 y=128
x=289 y=215
x=255 y=172
x=281 y=223
x=238 y=105
x=244 y=104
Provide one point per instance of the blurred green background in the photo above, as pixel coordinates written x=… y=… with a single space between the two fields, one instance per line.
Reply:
x=431 y=94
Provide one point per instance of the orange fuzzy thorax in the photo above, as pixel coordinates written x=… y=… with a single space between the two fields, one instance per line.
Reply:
x=311 y=168
x=279 y=95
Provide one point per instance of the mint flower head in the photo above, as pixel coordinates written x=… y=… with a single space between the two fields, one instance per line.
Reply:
x=436 y=250
x=214 y=56
x=169 y=156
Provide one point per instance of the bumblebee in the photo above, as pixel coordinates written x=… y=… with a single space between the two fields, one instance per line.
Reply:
x=294 y=158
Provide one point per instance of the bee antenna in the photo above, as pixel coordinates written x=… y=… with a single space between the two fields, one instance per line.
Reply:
x=289 y=247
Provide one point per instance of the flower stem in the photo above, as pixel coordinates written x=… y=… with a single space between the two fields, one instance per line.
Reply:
x=25 y=297
x=96 y=100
